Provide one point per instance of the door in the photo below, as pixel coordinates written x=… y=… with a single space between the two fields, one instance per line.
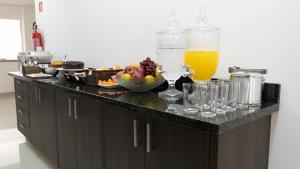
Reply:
x=90 y=137
x=171 y=146
x=35 y=116
x=124 y=147
x=48 y=122
x=66 y=130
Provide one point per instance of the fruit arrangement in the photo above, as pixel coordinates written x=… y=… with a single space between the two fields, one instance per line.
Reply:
x=140 y=78
x=149 y=67
x=107 y=82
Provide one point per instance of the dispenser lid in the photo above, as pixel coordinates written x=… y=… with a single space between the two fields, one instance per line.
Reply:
x=172 y=26
x=202 y=23
x=172 y=36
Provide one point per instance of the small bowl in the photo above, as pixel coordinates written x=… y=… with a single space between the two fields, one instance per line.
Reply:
x=139 y=85
x=51 y=71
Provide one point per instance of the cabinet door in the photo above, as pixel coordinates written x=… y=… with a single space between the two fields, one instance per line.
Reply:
x=175 y=147
x=89 y=134
x=66 y=131
x=124 y=148
x=48 y=122
x=23 y=122
x=35 y=116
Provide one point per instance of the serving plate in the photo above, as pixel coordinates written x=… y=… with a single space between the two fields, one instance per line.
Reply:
x=109 y=86
x=71 y=70
x=38 y=75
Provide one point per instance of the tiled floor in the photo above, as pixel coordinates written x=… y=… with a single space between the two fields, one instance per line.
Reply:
x=15 y=152
x=7 y=111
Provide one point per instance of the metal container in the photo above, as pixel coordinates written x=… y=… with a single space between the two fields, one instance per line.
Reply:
x=249 y=84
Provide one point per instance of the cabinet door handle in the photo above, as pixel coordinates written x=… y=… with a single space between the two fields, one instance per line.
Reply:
x=20 y=112
x=135 y=141
x=21 y=126
x=70 y=106
x=39 y=95
x=75 y=109
x=148 y=147
x=36 y=94
x=20 y=97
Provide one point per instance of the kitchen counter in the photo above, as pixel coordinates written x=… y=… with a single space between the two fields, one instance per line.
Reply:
x=119 y=129
x=150 y=104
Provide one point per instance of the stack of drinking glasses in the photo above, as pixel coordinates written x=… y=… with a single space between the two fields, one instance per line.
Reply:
x=212 y=98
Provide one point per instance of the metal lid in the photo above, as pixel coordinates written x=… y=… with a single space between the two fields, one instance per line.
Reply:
x=236 y=69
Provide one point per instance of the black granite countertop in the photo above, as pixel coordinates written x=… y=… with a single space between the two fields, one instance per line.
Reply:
x=8 y=60
x=152 y=105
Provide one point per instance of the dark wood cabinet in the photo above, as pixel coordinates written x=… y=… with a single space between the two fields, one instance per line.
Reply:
x=21 y=94
x=124 y=146
x=80 y=132
x=43 y=120
x=35 y=116
x=244 y=148
x=48 y=123
x=94 y=135
x=66 y=130
x=23 y=121
x=135 y=142
x=90 y=136
x=176 y=147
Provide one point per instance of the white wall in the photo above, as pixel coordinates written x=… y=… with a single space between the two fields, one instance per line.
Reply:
x=9 y=12
x=27 y=18
x=256 y=34
x=6 y=82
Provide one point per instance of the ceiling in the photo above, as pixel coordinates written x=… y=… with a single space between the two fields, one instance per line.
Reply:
x=17 y=2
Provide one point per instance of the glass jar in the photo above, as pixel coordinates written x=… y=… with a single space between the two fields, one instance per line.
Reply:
x=202 y=49
x=170 y=51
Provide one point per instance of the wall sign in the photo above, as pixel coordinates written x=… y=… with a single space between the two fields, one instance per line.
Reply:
x=41 y=6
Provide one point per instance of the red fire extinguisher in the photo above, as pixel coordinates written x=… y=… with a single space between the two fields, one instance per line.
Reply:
x=37 y=40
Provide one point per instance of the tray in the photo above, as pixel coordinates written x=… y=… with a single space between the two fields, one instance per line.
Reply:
x=95 y=75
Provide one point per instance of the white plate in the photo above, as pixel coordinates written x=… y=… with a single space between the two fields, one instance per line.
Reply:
x=39 y=75
x=71 y=70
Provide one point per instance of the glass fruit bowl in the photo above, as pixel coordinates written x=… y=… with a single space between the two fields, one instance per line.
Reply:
x=141 y=84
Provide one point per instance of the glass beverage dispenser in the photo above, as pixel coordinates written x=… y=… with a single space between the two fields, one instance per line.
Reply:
x=170 y=52
x=202 y=49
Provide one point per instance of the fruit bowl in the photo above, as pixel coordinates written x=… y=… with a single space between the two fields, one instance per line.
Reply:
x=141 y=84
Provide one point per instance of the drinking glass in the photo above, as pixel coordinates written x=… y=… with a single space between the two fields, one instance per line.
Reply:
x=190 y=95
x=208 y=99
x=222 y=95
x=239 y=92
x=223 y=87
x=233 y=93
x=225 y=98
x=243 y=88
